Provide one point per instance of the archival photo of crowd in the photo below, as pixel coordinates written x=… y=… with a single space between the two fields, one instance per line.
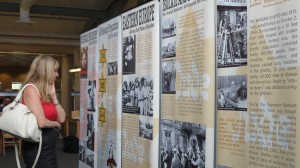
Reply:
x=91 y=95
x=231 y=36
x=146 y=127
x=137 y=95
x=182 y=144
x=169 y=27
x=169 y=76
x=169 y=47
x=232 y=92
x=112 y=68
x=129 y=51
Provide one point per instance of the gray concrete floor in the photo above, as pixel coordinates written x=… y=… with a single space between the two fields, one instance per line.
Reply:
x=70 y=160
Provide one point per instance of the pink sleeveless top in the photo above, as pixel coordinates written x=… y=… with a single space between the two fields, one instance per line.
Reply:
x=49 y=110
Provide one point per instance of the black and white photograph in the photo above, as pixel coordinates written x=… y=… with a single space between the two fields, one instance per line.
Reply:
x=182 y=144
x=146 y=127
x=129 y=51
x=90 y=132
x=137 y=95
x=232 y=93
x=89 y=158
x=91 y=89
x=82 y=148
x=110 y=162
x=169 y=76
x=86 y=155
x=169 y=47
x=169 y=27
x=231 y=36
x=112 y=68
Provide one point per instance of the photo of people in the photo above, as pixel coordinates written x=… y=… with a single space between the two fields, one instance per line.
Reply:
x=182 y=144
x=112 y=68
x=231 y=36
x=91 y=95
x=146 y=127
x=111 y=163
x=137 y=95
x=169 y=27
x=169 y=47
x=169 y=76
x=90 y=132
x=232 y=92
x=129 y=54
x=90 y=158
x=86 y=155
x=83 y=61
x=82 y=148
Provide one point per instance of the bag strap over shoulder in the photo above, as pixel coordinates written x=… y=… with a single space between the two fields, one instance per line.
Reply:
x=37 y=155
x=17 y=99
x=20 y=94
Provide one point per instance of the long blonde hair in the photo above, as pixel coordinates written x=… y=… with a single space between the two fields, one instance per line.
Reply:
x=40 y=73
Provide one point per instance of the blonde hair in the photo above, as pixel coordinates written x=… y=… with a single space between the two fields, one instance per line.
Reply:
x=40 y=73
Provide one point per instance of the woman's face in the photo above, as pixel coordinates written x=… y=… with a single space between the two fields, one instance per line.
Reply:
x=54 y=75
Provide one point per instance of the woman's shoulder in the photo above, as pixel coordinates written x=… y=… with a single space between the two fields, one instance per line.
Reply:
x=31 y=89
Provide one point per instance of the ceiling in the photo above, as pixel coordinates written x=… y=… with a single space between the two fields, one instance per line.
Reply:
x=31 y=27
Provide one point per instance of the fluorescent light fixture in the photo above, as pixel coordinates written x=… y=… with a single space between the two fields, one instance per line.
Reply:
x=75 y=70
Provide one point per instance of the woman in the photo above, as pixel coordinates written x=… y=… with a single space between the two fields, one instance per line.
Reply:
x=46 y=108
x=175 y=160
x=129 y=56
x=195 y=160
x=129 y=51
x=140 y=96
x=221 y=99
x=146 y=91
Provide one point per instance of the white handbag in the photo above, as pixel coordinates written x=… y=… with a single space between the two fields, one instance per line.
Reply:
x=18 y=121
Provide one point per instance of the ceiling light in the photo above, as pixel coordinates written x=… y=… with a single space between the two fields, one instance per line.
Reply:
x=72 y=70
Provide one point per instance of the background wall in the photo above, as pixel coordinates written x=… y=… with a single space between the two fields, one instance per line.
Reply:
x=12 y=74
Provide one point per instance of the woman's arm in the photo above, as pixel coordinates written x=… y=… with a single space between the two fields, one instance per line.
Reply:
x=61 y=114
x=33 y=102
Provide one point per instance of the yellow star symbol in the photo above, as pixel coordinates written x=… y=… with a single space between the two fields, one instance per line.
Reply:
x=103 y=55
x=102 y=118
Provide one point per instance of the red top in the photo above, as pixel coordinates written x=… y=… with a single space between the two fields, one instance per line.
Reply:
x=49 y=110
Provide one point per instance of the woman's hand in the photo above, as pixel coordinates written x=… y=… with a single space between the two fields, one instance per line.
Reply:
x=52 y=91
x=57 y=124
x=61 y=114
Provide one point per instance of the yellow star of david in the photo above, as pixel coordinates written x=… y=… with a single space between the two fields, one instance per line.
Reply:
x=102 y=55
x=102 y=118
